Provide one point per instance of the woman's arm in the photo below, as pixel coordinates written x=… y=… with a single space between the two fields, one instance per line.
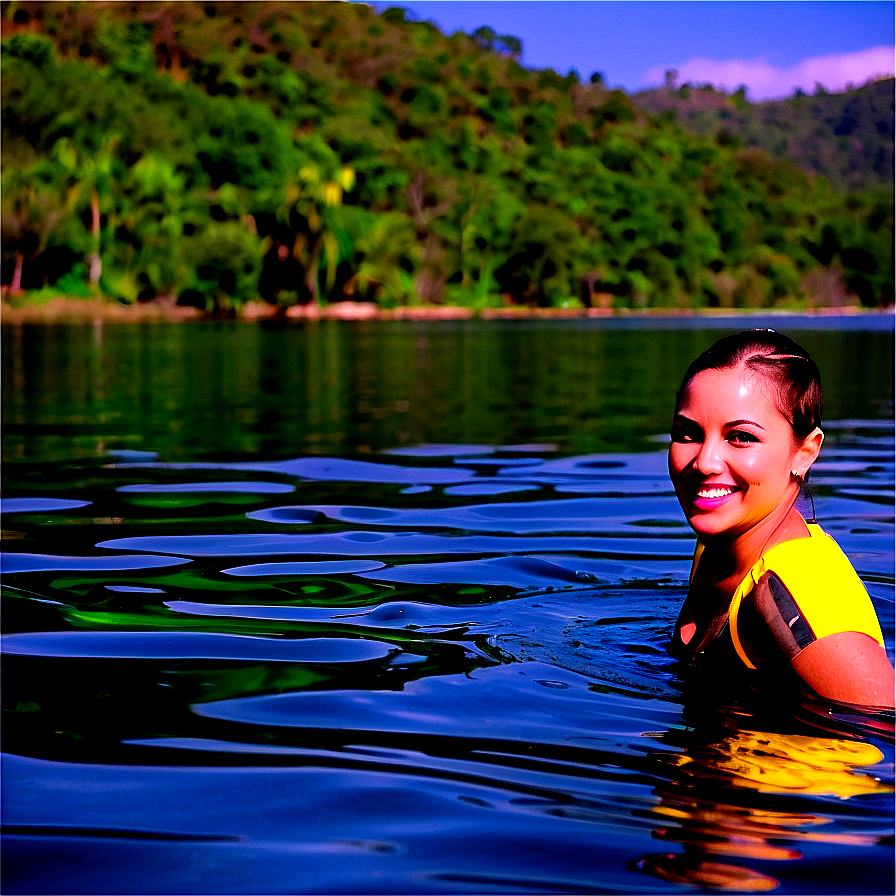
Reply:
x=849 y=667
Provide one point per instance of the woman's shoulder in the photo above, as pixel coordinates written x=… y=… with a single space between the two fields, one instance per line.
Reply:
x=823 y=583
x=812 y=559
x=817 y=542
x=805 y=561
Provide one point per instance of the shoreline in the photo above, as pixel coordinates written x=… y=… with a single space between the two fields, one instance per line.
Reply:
x=64 y=310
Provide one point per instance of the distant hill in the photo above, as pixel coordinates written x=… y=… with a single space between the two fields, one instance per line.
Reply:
x=847 y=138
x=219 y=152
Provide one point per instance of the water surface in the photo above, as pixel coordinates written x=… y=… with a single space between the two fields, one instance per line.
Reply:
x=365 y=608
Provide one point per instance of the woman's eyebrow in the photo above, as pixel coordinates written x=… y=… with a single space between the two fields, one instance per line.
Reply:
x=683 y=419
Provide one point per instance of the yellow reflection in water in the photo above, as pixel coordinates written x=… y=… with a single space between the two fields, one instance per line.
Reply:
x=709 y=808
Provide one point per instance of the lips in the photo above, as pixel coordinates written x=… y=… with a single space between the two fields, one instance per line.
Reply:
x=708 y=497
x=719 y=491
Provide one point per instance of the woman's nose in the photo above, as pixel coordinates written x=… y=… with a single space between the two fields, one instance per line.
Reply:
x=709 y=458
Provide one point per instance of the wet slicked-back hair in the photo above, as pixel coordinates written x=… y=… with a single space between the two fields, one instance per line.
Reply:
x=786 y=365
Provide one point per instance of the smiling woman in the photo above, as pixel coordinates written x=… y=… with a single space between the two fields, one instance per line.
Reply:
x=765 y=584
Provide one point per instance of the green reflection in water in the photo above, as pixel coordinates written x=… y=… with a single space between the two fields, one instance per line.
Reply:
x=215 y=389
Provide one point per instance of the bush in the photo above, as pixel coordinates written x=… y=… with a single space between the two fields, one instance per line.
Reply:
x=226 y=261
x=30 y=48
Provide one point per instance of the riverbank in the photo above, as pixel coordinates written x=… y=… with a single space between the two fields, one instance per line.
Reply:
x=79 y=310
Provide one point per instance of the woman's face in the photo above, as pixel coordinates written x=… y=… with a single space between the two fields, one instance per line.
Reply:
x=732 y=452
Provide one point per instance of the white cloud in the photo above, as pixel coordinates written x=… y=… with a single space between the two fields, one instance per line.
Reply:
x=766 y=81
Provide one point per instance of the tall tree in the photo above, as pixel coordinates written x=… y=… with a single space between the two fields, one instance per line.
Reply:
x=30 y=213
x=309 y=209
x=92 y=180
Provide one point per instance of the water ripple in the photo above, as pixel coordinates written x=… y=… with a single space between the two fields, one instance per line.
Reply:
x=11 y=563
x=585 y=515
x=39 y=505
x=196 y=645
x=366 y=543
x=413 y=675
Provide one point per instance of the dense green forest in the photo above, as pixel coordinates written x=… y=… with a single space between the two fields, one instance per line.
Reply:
x=845 y=137
x=313 y=152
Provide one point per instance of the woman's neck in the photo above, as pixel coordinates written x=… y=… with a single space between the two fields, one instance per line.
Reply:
x=740 y=552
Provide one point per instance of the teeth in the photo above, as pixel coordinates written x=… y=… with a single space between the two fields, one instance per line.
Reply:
x=714 y=492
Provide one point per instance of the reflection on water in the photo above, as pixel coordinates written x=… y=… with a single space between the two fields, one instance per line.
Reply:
x=340 y=388
x=713 y=810
x=433 y=668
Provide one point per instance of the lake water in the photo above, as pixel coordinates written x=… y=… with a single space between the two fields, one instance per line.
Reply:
x=368 y=607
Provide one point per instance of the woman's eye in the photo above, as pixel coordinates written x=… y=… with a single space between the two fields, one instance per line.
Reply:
x=739 y=435
x=682 y=434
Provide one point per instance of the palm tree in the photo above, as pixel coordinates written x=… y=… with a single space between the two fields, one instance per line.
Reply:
x=153 y=214
x=388 y=250
x=309 y=208
x=91 y=178
x=29 y=212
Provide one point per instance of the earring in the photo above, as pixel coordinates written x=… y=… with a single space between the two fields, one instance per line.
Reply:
x=797 y=475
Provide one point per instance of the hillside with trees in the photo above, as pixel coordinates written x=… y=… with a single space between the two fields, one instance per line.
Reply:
x=846 y=138
x=313 y=152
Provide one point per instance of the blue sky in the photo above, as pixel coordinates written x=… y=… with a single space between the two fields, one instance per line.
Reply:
x=772 y=47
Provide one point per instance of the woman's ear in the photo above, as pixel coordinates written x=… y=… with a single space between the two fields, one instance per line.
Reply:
x=807 y=453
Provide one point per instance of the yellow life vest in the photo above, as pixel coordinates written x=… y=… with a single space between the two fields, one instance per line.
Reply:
x=829 y=593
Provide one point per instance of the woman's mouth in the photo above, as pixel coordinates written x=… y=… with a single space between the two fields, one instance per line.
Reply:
x=708 y=497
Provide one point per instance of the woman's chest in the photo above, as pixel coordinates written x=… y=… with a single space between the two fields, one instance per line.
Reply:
x=705 y=611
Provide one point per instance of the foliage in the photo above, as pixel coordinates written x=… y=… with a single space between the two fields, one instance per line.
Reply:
x=226 y=260
x=846 y=138
x=319 y=151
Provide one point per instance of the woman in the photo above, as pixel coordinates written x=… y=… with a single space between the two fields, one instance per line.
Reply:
x=776 y=590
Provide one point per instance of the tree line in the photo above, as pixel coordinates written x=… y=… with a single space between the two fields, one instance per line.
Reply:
x=215 y=153
x=845 y=137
